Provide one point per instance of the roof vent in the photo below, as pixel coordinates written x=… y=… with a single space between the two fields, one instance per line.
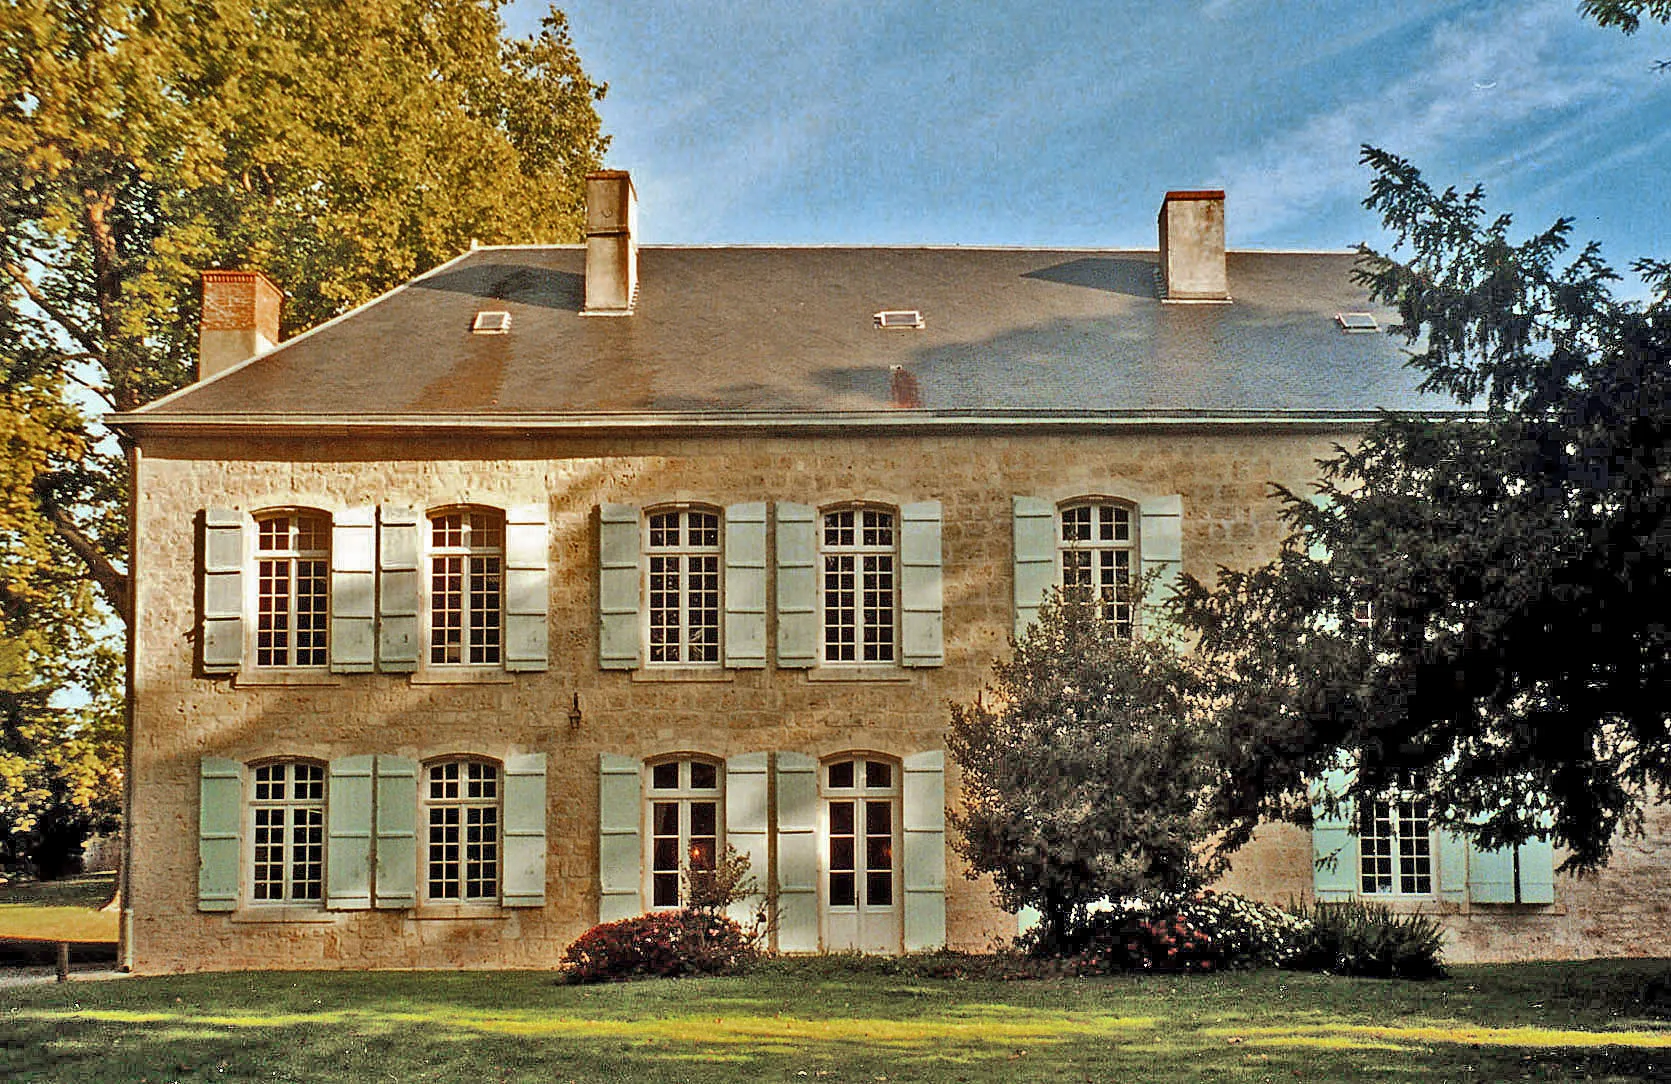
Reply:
x=491 y=323
x=1356 y=323
x=898 y=318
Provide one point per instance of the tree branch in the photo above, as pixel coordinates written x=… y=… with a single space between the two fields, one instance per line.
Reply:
x=111 y=580
x=75 y=330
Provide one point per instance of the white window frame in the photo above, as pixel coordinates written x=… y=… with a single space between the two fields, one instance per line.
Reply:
x=683 y=795
x=1101 y=513
x=684 y=552
x=464 y=802
x=857 y=552
x=860 y=794
x=290 y=555
x=1410 y=854
x=288 y=804
x=468 y=552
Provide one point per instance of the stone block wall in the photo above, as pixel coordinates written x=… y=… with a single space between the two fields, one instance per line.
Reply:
x=180 y=717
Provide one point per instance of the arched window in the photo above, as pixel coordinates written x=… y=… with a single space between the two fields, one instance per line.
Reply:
x=682 y=566
x=686 y=804
x=466 y=594
x=858 y=546
x=462 y=852
x=1098 y=548
x=292 y=598
x=861 y=823
x=287 y=819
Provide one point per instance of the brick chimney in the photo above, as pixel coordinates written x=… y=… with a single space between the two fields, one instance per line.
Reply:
x=1192 y=247
x=240 y=319
x=611 y=243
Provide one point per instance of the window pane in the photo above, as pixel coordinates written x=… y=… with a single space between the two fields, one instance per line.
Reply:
x=878 y=773
x=841 y=818
x=703 y=776
x=879 y=889
x=664 y=817
x=703 y=820
x=878 y=818
x=841 y=890
x=841 y=774
x=665 y=776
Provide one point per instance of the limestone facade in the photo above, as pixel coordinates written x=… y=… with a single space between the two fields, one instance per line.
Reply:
x=181 y=716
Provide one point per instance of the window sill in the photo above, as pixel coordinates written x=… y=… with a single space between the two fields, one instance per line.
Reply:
x=886 y=674
x=257 y=678
x=683 y=673
x=285 y=915
x=464 y=675
x=449 y=912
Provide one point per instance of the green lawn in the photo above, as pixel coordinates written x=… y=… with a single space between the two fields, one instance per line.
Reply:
x=807 y=1023
x=66 y=910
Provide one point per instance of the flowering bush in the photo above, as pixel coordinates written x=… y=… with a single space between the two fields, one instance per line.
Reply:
x=665 y=943
x=1210 y=931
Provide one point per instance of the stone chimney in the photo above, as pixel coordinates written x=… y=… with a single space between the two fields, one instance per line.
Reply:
x=240 y=319
x=611 y=243
x=1192 y=247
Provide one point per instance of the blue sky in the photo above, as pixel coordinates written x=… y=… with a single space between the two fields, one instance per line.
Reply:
x=1046 y=123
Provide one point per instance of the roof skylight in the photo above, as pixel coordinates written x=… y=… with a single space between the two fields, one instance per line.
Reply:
x=898 y=318
x=490 y=322
x=1356 y=323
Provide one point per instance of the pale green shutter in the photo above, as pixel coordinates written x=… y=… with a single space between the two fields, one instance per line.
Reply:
x=745 y=824
x=1034 y=526
x=1160 y=541
x=745 y=586
x=798 y=628
x=618 y=585
x=527 y=594
x=525 y=807
x=1334 y=848
x=348 y=797
x=1537 y=871
x=1315 y=549
x=220 y=808
x=921 y=634
x=924 y=824
x=1490 y=875
x=353 y=590
x=1452 y=872
x=797 y=853
x=397 y=832
x=620 y=846
x=222 y=633
x=399 y=590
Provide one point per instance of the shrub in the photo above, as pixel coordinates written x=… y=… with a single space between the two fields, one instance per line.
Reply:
x=1370 y=940
x=666 y=943
x=1211 y=931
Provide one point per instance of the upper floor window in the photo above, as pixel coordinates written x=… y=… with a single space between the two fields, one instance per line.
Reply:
x=466 y=595
x=461 y=798
x=858 y=546
x=685 y=801
x=1097 y=547
x=683 y=568
x=287 y=821
x=1395 y=847
x=291 y=593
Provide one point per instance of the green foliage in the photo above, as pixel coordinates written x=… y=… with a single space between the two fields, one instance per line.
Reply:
x=1627 y=15
x=1370 y=940
x=664 y=944
x=1208 y=931
x=340 y=148
x=1514 y=563
x=1083 y=776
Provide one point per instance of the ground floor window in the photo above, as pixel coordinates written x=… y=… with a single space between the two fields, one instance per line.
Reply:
x=1395 y=842
x=462 y=852
x=861 y=797
x=685 y=832
x=287 y=818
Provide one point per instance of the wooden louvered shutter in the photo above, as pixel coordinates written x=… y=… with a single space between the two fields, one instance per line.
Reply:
x=799 y=631
x=399 y=589
x=797 y=853
x=1034 y=526
x=397 y=832
x=922 y=635
x=1160 y=539
x=527 y=592
x=353 y=590
x=348 y=802
x=525 y=805
x=618 y=587
x=746 y=824
x=745 y=586
x=1334 y=848
x=924 y=844
x=220 y=807
x=620 y=843
x=221 y=634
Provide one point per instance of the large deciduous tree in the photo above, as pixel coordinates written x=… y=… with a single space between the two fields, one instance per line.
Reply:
x=1083 y=773
x=341 y=148
x=1476 y=606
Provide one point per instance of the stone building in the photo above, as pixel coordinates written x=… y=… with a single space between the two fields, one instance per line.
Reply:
x=471 y=617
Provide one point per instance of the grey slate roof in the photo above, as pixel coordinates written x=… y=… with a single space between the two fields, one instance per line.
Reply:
x=785 y=330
